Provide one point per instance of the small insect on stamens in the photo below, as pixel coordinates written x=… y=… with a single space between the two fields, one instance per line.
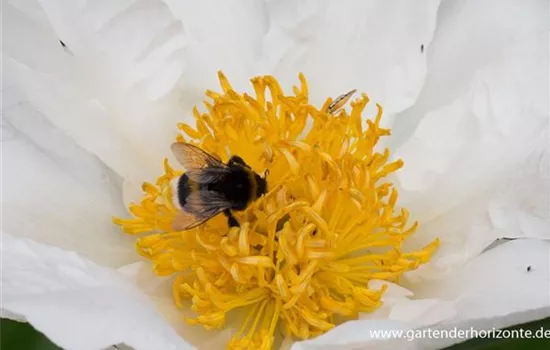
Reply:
x=340 y=101
x=529 y=268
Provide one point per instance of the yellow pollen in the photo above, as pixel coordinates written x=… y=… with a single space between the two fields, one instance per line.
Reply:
x=302 y=258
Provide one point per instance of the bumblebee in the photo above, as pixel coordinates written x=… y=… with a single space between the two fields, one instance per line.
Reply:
x=209 y=187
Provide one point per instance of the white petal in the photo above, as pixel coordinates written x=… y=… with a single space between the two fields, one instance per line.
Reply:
x=476 y=167
x=469 y=36
x=56 y=193
x=372 y=46
x=493 y=290
x=393 y=290
x=505 y=286
x=222 y=36
x=111 y=87
x=398 y=305
x=77 y=304
x=508 y=279
x=159 y=291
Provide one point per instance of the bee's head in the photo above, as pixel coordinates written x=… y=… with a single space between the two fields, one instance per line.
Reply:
x=261 y=182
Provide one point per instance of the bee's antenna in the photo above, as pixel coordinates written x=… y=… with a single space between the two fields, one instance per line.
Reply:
x=266 y=172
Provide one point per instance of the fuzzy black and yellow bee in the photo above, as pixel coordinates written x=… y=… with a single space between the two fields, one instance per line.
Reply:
x=209 y=187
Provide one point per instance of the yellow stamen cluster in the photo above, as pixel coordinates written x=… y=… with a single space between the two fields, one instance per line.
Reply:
x=305 y=252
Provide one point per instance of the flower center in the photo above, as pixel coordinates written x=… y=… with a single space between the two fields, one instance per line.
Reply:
x=304 y=253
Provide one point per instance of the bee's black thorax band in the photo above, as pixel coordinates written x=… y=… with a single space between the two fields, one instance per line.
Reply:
x=184 y=189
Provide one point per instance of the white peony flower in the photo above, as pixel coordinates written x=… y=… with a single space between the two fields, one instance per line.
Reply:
x=93 y=90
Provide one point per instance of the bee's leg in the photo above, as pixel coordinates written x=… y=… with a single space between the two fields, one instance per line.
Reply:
x=237 y=160
x=231 y=221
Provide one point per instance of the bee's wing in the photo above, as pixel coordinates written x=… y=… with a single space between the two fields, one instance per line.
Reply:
x=199 y=207
x=185 y=221
x=207 y=175
x=207 y=203
x=200 y=166
x=194 y=158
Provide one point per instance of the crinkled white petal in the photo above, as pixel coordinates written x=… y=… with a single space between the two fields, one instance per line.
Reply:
x=476 y=166
x=112 y=87
x=469 y=36
x=493 y=290
x=159 y=291
x=57 y=193
x=224 y=36
x=398 y=305
x=76 y=303
x=508 y=279
x=372 y=46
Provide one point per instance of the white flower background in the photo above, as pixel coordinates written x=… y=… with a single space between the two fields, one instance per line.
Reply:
x=84 y=125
